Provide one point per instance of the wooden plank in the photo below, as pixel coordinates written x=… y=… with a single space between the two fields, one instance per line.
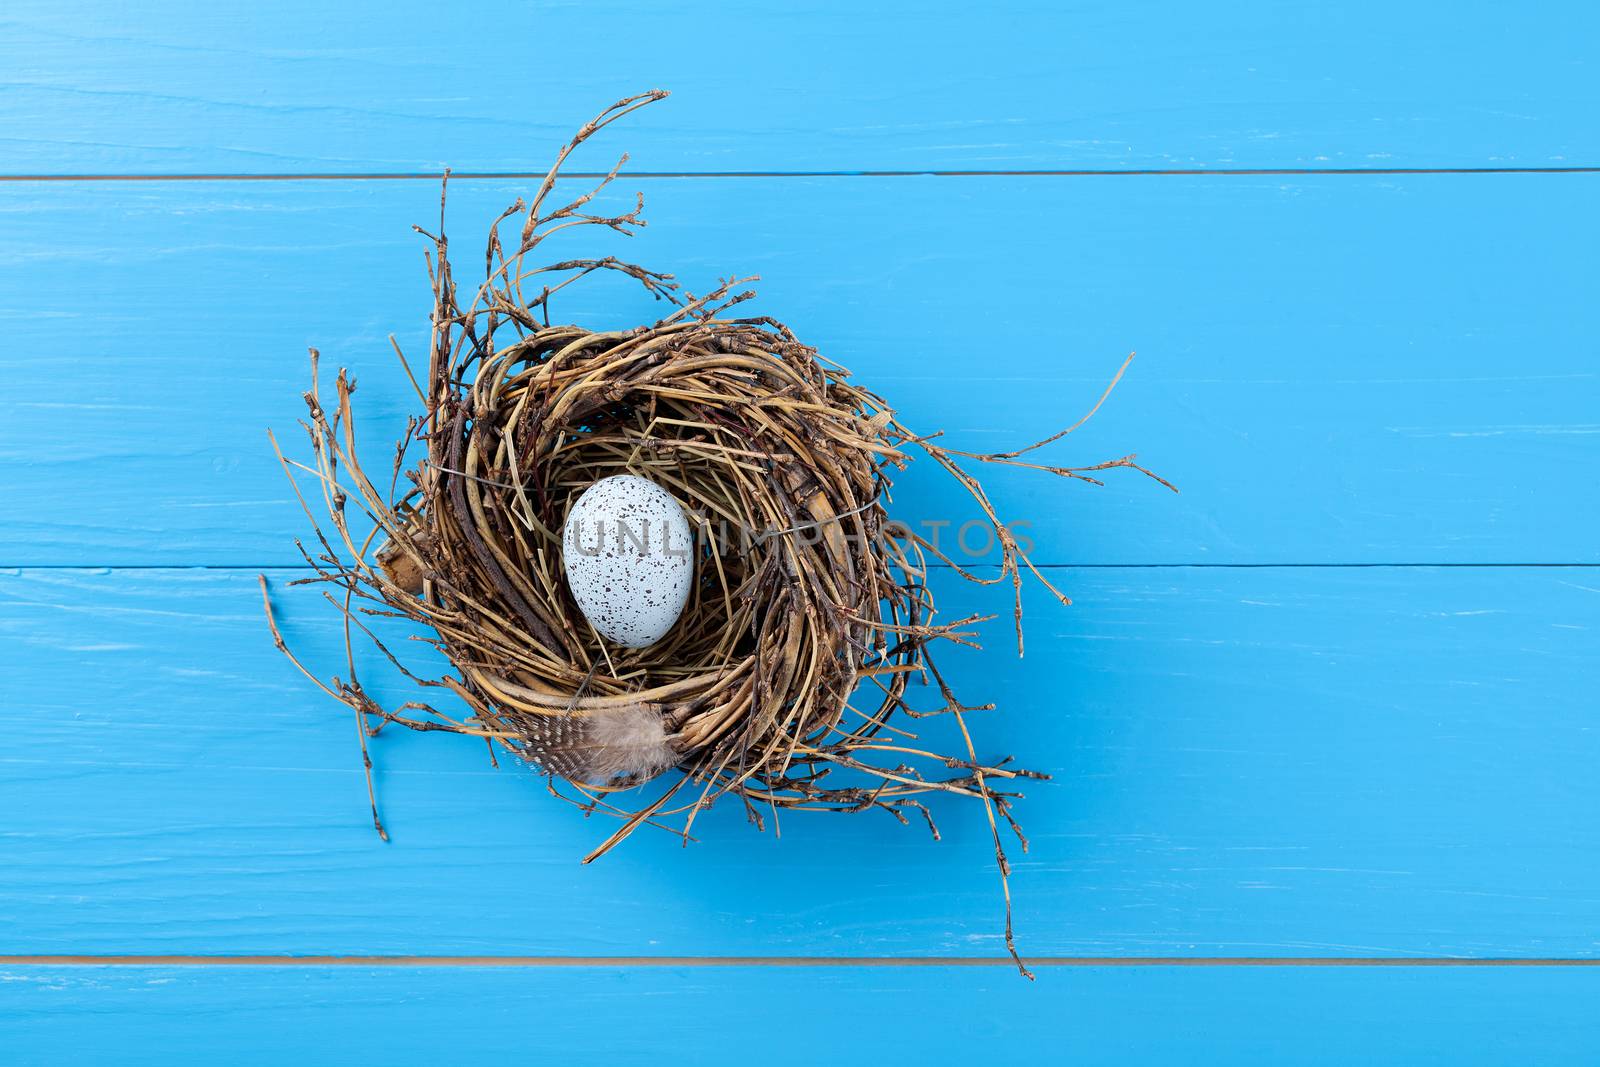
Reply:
x=1332 y=370
x=1143 y=1015
x=301 y=86
x=1279 y=762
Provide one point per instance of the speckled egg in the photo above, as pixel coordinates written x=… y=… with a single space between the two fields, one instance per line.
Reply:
x=629 y=559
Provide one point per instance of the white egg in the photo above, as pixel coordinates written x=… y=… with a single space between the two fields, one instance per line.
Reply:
x=629 y=559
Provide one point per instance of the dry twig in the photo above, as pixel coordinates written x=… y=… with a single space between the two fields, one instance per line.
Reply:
x=751 y=431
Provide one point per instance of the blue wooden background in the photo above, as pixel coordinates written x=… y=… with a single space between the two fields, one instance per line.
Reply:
x=1324 y=728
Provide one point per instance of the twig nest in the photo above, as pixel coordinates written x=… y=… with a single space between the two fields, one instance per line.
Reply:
x=778 y=461
x=770 y=662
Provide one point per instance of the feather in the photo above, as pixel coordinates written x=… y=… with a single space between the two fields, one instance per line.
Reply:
x=625 y=742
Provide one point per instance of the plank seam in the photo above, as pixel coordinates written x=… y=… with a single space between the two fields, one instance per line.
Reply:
x=256 y=568
x=788 y=961
x=662 y=174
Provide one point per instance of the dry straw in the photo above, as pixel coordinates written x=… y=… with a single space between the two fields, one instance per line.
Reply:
x=784 y=684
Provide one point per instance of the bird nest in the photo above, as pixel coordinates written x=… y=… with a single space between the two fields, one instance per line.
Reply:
x=784 y=681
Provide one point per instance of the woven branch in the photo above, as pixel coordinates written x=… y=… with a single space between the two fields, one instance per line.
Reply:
x=780 y=682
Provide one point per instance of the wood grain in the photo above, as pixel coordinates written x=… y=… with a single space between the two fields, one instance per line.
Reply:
x=126 y=1016
x=1307 y=807
x=1333 y=371
x=1248 y=762
x=301 y=86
